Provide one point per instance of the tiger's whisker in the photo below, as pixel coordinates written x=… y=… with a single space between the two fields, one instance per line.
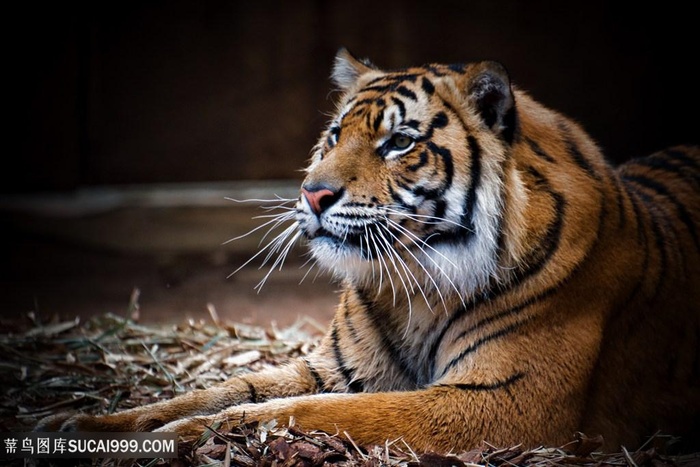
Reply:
x=391 y=253
x=279 y=260
x=409 y=275
x=428 y=275
x=282 y=219
x=422 y=242
x=285 y=233
x=369 y=250
x=278 y=199
x=382 y=262
x=415 y=241
x=308 y=271
x=278 y=242
x=419 y=218
x=276 y=220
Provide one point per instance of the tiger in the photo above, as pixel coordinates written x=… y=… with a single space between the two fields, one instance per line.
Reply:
x=501 y=281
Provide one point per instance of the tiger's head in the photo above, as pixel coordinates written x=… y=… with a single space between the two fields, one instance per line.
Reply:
x=407 y=181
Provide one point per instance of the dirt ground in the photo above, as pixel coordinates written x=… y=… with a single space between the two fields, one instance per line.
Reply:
x=88 y=264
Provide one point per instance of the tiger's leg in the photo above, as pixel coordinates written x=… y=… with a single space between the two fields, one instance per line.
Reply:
x=441 y=418
x=292 y=379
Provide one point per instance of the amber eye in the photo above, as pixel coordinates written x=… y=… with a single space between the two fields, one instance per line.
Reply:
x=396 y=145
x=399 y=142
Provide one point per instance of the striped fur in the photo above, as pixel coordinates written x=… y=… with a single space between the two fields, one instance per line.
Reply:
x=501 y=281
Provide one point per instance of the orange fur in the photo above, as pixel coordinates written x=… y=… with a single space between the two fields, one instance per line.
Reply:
x=501 y=281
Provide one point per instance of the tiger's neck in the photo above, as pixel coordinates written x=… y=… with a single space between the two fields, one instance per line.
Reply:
x=557 y=198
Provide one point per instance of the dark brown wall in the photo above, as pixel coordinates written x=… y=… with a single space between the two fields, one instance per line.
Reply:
x=174 y=91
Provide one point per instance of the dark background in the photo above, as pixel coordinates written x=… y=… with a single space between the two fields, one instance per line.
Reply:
x=115 y=92
x=154 y=94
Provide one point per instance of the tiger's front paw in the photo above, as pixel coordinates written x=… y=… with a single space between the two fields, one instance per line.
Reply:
x=69 y=422
x=119 y=422
x=53 y=422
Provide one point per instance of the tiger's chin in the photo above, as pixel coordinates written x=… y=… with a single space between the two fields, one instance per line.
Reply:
x=345 y=261
x=452 y=269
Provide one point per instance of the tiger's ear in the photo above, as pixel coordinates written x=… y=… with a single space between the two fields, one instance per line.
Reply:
x=347 y=69
x=488 y=89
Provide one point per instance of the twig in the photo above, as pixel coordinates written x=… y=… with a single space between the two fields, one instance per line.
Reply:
x=170 y=377
x=629 y=459
x=362 y=454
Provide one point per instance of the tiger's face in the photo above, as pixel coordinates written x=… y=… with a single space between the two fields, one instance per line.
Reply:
x=405 y=179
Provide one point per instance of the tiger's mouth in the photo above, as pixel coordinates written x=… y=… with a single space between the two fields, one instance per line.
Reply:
x=350 y=240
x=369 y=242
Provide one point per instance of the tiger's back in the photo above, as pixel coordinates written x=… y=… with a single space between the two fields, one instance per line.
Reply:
x=648 y=375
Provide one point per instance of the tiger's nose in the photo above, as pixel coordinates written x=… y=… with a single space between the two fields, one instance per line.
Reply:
x=321 y=197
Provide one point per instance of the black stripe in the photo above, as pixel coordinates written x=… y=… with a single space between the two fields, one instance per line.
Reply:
x=378 y=119
x=380 y=88
x=573 y=151
x=661 y=189
x=405 y=183
x=421 y=162
x=467 y=219
x=435 y=70
x=510 y=125
x=448 y=164
x=392 y=83
x=637 y=212
x=484 y=340
x=364 y=102
x=377 y=80
x=404 y=91
x=357 y=110
x=440 y=207
x=320 y=384
x=395 y=77
x=680 y=156
x=673 y=166
x=410 y=77
x=539 y=152
x=486 y=387
x=348 y=322
x=452 y=110
x=659 y=238
x=402 y=107
x=495 y=317
x=252 y=391
x=440 y=120
x=384 y=332
x=642 y=238
x=458 y=68
x=352 y=384
x=398 y=200
x=549 y=245
x=427 y=86
x=415 y=124
x=621 y=218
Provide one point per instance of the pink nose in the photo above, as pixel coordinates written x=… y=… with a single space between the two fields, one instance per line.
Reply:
x=319 y=199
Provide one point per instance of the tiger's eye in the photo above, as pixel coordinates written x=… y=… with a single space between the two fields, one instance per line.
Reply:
x=401 y=141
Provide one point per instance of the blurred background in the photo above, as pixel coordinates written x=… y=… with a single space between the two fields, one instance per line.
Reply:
x=130 y=122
